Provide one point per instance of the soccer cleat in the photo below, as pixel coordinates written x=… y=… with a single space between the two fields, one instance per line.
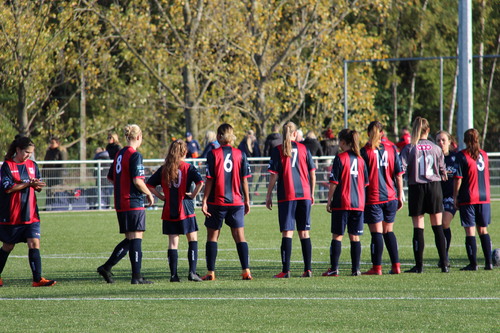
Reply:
x=175 y=278
x=375 y=270
x=469 y=267
x=331 y=272
x=355 y=273
x=282 y=275
x=209 y=277
x=1 y=282
x=415 y=269
x=246 y=276
x=307 y=273
x=106 y=274
x=396 y=268
x=487 y=267
x=440 y=263
x=140 y=281
x=194 y=277
x=44 y=283
x=445 y=269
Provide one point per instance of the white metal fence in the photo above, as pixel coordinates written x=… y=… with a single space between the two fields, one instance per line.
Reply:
x=82 y=185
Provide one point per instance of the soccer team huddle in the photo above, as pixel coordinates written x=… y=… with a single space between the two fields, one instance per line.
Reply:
x=365 y=187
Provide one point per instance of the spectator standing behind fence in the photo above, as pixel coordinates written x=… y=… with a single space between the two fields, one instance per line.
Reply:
x=193 y=146
x=100 y=154
x=329 y=144
x=113 y=146
x=19 y=218
x=210 y=143
x=312 y=144
x=176 y=178
x=405 y=138
x=53 y=172
x=274 y=139
x=127 y=175
x=250 y=145
x=471 y=195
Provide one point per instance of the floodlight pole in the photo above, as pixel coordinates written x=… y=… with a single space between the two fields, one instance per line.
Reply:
x=465 y=98
x=441 y=93
x=346 y=125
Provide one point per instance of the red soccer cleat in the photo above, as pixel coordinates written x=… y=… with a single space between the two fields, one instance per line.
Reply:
x=282 y=275
x=375 y=270
x=44 y=283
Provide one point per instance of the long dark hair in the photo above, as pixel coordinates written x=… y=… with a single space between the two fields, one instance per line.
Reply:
x=176 y=152
x=471 y=140
x=21 y=142
x=351 y=137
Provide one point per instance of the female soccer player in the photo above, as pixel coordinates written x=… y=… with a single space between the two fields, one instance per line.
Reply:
x=19 y=218
x=471 y=194
x=226 y=197
x=346 y=200
x=175 y=178
x=444 y=140
x=127 y=175
x=423 y=162
x=383 y=197
x=292 y=166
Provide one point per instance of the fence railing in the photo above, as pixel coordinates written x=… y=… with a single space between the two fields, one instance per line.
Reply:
x=83 y=185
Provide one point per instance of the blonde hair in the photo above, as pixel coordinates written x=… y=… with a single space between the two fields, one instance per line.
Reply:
x=210 y=137
x=176 y=151
x=351 y=137
x=225 y=134
x=471 y=140
x=131 y=131
x=420 y=126
x=375 y=130
x=115 y=138
x=288 y=130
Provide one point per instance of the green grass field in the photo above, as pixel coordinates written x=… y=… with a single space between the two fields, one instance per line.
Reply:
x=74 y=244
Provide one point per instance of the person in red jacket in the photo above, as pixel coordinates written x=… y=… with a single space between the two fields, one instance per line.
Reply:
x=19 y=218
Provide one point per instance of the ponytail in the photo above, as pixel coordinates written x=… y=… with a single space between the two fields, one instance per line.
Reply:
x=21 y=142
x=375 y=129
x=420 y=126
x=288 y=130
x=471 y=140
x=131 y=132
x=351 y=138
x=176 y=152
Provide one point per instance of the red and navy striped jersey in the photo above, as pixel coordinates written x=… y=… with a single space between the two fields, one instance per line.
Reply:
x=227 y=166
x=177 y=206
x=294 y=181
x=18 y=207
x=127 y=166
x=383 y=166
x=447 y=186
x=475 y=175
x=351 y=177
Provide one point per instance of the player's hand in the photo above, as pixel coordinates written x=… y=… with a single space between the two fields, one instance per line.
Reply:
x=204 y=209
x=400 y=203
x=247 y=208
x=312 y=199
x=189 y=195
x=37 y=183
x=269 y=203
x=150 y=199
x=328 y=208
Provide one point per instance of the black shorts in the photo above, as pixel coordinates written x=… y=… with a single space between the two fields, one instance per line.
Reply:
x=295 y=212
x=234 y=216
x=132 y=220
x=425 y=198
x=19 y=233
x=352 y=219
x=477 y=215
x=181 y=227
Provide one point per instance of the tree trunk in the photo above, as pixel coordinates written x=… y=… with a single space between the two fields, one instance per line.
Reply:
x=190 y=111
x=83 y=124
x=395 y=101
x=22 y=113
x=453 y=100
x=490 y=88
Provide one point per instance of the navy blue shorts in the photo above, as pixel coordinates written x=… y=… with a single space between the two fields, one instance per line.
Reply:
x=234 y=216
x=296 y=212
x=449 y=205
x=381 y=212
x=353 y=219
x=181 y=227
x=132 y=220
x=425 y=198
x=19 y=233
x=475 y=215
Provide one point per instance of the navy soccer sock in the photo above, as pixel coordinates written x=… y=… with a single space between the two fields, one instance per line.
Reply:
x=418 y=247
x=172 y=261
x=335 y=251
x=242 y=249
x=486 y=245
x=447 y=235
x=35 y=264
x=4 y=255
x=211 y=255
x=192 y=255
x=286 y=253
x=355 y=255
x=376 y=248
x=471 y=248
x=440 y=241
x=135 y=255
x=306 y=253
x=391 y=243
x=120 y=251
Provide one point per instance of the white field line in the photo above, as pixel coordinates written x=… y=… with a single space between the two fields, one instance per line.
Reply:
x=250 y=299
